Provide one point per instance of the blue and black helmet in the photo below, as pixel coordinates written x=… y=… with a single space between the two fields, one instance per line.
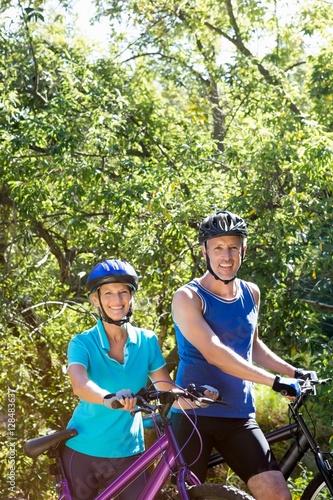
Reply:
x=222 y=223
x=112 y=271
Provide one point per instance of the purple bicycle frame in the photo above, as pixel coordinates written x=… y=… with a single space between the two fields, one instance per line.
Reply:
x=168 y=444
x=63 y=483
x=65 y=495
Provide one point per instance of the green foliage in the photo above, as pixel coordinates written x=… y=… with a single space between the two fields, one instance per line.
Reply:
x=320 y=87
x=297 y=485
x=271 y=408
x=122 y=155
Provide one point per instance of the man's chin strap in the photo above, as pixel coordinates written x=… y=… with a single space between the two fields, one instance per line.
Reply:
x=105 y=317
x=209 y=267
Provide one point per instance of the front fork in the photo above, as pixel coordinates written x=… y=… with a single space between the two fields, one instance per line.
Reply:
x=185 y=477
x=324 y=467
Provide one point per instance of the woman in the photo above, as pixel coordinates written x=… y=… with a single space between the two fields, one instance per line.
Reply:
x=101 y=362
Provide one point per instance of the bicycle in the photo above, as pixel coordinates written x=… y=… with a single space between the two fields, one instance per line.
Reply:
x=164 y=456
x=321 y=486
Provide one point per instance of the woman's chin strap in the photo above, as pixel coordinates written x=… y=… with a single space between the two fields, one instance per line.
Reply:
x=105 y=317
x=112 y=322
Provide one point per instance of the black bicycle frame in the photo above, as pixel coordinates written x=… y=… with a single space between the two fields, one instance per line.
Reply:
x=307 y=439
x=303 y=441
x=282 y=434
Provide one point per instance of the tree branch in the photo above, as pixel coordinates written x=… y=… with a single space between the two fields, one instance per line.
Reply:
x=319 y=305
x=238 y=43
x=32 y=50
x=64 y=259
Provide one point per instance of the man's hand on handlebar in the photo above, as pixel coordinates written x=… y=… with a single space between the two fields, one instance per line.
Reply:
x=289 y=387
x=204 y=391
x=305 y=374
x=209 y=392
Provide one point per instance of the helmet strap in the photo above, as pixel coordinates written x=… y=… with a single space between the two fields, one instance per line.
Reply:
x=107 y=319
x=209 y=267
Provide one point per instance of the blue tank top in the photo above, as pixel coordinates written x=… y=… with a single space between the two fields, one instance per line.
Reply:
x=234 y=322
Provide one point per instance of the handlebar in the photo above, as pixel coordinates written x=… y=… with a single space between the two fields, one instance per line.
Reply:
x=308 y=388
x=146 y=396
x=163 y=400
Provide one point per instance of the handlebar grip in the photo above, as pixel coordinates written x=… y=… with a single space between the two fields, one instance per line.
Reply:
x=110 y=401
x=115 y=403
x=286 y=386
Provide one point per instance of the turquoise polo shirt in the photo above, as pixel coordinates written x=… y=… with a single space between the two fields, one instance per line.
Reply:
x=103 y=432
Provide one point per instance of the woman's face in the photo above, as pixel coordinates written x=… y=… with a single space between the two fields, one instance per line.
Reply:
x=115 y=299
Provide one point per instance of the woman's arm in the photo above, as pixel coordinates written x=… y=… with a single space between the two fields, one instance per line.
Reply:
x=83 y=387
x=161 y=379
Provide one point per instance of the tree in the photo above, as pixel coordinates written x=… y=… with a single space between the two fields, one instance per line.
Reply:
x=122 y=155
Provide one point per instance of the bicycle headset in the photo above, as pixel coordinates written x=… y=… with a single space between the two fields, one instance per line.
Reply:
x=222 y=223
x=112 y=271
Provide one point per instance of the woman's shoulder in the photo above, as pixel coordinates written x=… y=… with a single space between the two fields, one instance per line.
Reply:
x=140 y=331
x=85 y=336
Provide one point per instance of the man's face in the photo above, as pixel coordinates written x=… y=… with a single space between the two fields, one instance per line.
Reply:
x=225 y=254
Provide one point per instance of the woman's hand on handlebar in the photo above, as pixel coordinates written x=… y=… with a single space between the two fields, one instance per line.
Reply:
x=123 y=399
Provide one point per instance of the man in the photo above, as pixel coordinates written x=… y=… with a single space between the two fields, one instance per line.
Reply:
x=216 y=324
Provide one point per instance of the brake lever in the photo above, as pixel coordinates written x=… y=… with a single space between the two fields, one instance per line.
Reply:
x=208 y=401
x=221 y=402
x=149 y=411
x=324 y=380
x=145 y=408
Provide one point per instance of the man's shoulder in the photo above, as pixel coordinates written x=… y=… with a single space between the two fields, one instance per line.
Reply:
x=253 y=287
x=193 y=284
x=187 y=289
x=187 y=299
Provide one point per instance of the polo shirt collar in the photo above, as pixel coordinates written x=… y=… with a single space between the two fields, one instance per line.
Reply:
x=132 y=338
x=103 y=338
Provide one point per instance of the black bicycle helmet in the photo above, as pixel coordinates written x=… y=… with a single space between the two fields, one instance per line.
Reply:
x=112 y=271
x=221 y=223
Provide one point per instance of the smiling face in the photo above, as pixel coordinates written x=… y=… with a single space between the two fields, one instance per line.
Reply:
x=115 y=299
x=225 y=255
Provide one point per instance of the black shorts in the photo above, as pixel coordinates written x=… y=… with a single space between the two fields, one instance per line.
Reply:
x=87 y=475
x=239 y=440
